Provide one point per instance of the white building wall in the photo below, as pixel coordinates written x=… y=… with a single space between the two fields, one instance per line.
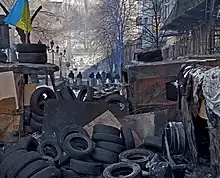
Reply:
x=147 y=17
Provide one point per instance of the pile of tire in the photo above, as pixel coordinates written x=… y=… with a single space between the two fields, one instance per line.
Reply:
x=32 y=53
x=22 y=160
x=33 y=116
x=176 y=138
x=109 y=153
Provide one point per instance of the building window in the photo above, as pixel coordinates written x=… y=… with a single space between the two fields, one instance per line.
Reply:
x=145 y=25
x=139 y=21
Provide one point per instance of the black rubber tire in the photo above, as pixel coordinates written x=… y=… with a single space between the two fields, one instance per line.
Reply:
x=139 y=156
x=27 y=116
x=3 y=57
x=128 y=170
x=68 y=173
x=32 y=169
x=117 y=98
x=104 y=156
x=113 y=147
x=28 y=129
x=82 y=149
x=37 y=118
x=9 y=161
x=182 y=136
x=36 y=126
x=70 y=130
x=31 y=48
x=49 y=172
x=86 y=90
x=108 y=138
x=33 y=58
x=55 y=149
x=101 y=128
x=87 y=168
x=27 y=143
x=128 y=138
x=67 y=94
x=36 y=97
x=64 y=159
x=20 y=164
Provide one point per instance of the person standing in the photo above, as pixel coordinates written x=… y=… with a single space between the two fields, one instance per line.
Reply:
x=79 y=79
x=71 y=77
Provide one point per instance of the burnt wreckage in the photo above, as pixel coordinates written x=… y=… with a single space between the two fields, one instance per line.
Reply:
x=199 y=106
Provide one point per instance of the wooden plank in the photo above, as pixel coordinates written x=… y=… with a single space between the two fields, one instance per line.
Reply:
x=28 y=68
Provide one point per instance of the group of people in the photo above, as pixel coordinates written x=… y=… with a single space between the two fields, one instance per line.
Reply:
x=101 y=78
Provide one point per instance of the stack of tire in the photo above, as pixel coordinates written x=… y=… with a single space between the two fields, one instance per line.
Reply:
x=33 y=119
x=176 y=138
x=32 y=53
x=74 y=154
x=111 y=141
x=23 y=161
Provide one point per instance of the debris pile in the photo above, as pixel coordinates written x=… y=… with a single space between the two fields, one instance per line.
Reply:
x=75 y=154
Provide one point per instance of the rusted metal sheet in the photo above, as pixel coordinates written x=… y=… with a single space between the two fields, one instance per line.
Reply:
x=147 y=81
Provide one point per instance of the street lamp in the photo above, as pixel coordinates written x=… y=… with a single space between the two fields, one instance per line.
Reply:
x=51 y=50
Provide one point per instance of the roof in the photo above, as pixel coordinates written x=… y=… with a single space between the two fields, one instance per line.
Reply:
x=184 y=7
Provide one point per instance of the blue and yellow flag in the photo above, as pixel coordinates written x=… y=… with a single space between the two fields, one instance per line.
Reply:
x=19 y=16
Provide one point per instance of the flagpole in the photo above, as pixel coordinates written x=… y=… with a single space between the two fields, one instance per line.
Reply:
x=26 y=33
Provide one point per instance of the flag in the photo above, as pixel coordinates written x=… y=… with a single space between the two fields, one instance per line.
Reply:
x=19 y=16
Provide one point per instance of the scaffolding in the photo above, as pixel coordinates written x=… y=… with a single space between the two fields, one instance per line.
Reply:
x=198 y=27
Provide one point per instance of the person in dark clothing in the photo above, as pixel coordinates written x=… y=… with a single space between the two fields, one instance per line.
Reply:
x=98 y=76
x=79 y=75
x=117 y=76
x=109 y=75
x=71 y=75
x=91 y=75
x=103 y=75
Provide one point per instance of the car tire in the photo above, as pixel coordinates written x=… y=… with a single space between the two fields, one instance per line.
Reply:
x=26 y=116
x=128 y=170
x=117 y=98
x=139 y=156
x=113 y=147
x=71 y=130
x=37 y=96
x=31 y=48
x=36 y=126
x=101 y=128
x=67 y=94
x=86 y=91
x=32 y=169
x=87 y=168
x=37 y=118
x=33 y=58
x=128 y=138
x=49 y=172
x=64 y=159
x=21 y=163
x=68 y=173
x=8 y=161
x=54 y=152
x=27 y=143
x=108 y=138
x=3 y=57
x=104 y=156
x=28 y=129
x=82 y=148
